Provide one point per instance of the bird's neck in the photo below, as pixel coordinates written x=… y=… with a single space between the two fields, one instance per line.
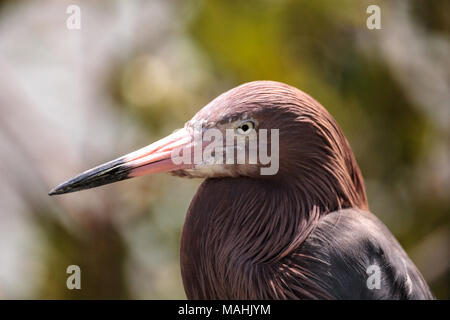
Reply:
x=237 y=224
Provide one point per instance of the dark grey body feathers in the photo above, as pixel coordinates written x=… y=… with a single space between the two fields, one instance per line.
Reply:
x=347 y=243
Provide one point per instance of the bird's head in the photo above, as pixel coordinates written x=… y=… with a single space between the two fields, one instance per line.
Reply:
x=262 y=129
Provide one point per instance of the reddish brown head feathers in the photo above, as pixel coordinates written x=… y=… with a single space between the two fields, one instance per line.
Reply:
x=242 y=235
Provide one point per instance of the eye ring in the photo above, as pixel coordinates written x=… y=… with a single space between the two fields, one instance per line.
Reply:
x=246 y=127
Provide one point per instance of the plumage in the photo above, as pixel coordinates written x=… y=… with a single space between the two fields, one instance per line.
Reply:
x=283 y=237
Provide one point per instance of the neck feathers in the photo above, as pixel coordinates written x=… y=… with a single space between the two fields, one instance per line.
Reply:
x=239 y=232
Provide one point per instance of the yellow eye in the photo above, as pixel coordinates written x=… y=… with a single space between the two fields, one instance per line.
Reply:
x=246 y=127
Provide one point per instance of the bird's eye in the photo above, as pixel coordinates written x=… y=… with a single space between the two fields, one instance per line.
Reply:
x=246 y=127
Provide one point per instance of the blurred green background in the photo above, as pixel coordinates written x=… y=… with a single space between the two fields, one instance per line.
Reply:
x=137 y=70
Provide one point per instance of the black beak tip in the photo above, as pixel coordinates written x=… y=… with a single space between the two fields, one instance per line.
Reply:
x=62 y=188
x=104 y=174
x=55 y=191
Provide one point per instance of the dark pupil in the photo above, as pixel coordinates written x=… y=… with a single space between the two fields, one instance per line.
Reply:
x=245 y=127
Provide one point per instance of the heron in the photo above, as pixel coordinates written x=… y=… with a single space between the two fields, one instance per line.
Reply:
x=303 y=232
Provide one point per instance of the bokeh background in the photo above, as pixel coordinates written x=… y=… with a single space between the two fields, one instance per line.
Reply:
x=137 y=70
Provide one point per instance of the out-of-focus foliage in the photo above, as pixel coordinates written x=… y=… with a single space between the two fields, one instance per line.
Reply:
x=137 y=70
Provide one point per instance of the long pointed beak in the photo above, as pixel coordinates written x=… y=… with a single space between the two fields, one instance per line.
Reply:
x=154 y=158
